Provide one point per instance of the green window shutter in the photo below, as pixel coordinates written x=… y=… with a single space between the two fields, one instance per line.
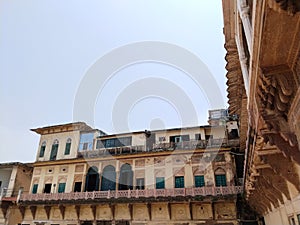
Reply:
x=179 y=182
x=42 y=151
x=61 y=187
x=199 y=181
x=34 y=188
x=67 y=149
x=220 y=180
x=160 y=183
x=54 y=152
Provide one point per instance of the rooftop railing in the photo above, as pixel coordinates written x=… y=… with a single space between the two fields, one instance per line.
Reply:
x=170 y=146
x=147 y=193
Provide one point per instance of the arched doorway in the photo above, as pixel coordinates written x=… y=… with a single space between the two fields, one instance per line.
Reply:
x=126 y=177
x=92 y=179
x=108 y=181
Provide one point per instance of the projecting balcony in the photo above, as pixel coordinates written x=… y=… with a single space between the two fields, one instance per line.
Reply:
x=112 y=151
x=170 y=146
x=8 y=195
x=197 y=144
x=132 y=194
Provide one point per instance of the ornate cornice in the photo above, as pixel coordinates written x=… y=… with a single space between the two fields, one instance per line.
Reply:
x=234 y=77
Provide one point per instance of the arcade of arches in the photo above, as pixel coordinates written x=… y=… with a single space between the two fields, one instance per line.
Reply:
x=109 y=179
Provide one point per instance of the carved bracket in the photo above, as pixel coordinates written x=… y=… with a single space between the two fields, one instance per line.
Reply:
x=22 y=211
x=277 y=182
x=112 y=209
x=191 y=210
x=169 y=210
x=286 y=172
x=284 y=146
x=94 y=208
x=291 y=6
x=4 y=208
x=130 y=208
x=33 y=211
x=62 y=210
x=271 y=193
x=47 y=210
x=77 y=208
x=149 y=210
x=275 y=92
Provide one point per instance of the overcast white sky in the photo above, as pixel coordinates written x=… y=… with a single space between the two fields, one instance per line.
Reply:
x=47 y=47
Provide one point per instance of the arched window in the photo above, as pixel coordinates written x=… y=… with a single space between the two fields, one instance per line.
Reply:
x=42 y=150
x=68 y=146
x=126 y=177
x=92 y=179
x=54 y=150
x=220 y=177
x=108 y=181
x=199 y=178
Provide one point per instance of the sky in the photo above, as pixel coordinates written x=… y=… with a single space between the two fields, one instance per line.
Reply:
x=49 y=48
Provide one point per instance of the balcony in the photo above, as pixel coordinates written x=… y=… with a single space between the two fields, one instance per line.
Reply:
x=133 y=194
x=200 y=144
x=8 y=195
x=112 y=151
x=185 y=145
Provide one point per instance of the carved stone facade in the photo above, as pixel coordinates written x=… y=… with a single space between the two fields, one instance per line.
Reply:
x=271 y=81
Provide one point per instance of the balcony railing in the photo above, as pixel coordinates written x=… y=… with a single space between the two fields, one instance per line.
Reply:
x=148 y=193
x=9 y=194
x=200 y=144
x=185 y=145
x=112 y=151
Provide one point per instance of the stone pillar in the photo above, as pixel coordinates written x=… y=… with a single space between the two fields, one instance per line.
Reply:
x=117 y=174
x=117 y=180
x=188 y=176
x=133 y=176
x=169 y=175
x=12 y=181
x=244 y=11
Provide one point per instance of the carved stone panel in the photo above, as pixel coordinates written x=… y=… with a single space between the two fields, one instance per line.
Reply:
x=55 y=213
x=159 y=211
x=70 y=213
x=202 y=211
x=180 y=212
x=225 y=211
x=41 y=213
x=122 y=212
x=86 y=212
x=103 y=212
x=140 y=212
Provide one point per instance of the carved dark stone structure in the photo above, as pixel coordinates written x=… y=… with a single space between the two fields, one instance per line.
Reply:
x=264 y=40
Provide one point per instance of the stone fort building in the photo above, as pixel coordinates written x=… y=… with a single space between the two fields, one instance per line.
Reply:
x=176 y=176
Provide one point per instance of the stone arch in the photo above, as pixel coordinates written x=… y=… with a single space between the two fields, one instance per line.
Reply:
x=126 y=177
x=92 y=179
x=108 y=181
